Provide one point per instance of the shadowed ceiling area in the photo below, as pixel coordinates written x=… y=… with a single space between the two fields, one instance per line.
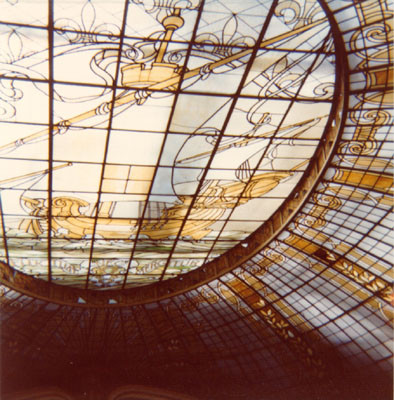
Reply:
x=196 y=199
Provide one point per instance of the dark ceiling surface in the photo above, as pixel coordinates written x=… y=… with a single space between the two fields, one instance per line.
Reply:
x=307 y=316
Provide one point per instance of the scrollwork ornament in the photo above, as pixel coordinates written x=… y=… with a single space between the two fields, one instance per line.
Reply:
x=358 y=147
x=274 y=255
x=69 y=29
x=10 y=53
x=327 y=200
x=289 y=10
x=324 y=90
x=367 y=123
x=132 y=53
x=256 y=269
x=298 y=12
x=370 y=117
x=8 y=94
x=376 y=33
x=175 y=57
x=209 y=296
x=309 y=221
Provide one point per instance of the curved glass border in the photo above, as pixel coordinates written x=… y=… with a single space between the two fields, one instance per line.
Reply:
x=232 y=258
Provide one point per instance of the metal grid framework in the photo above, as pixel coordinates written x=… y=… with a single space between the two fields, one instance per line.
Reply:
x=197 y=137
x=311 y=309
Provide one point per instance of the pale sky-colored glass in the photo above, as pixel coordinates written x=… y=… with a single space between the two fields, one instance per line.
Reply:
x=163 y=185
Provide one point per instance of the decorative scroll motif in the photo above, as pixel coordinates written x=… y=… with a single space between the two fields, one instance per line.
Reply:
x=357 y=195
x=298 y=12
x=314 y=243
x=367 y=124
x=363 y=181
x=200 y=177
x=379 y=81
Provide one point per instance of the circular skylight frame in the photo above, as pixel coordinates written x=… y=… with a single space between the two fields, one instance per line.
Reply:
x=224 y=263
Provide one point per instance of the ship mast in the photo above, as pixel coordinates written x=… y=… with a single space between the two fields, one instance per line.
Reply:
x=161 y=76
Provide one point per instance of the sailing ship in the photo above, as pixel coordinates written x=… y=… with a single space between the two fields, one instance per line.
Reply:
x=68 y=219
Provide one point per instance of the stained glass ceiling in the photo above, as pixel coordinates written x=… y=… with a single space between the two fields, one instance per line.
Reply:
x=311 y=309
x=142 y=139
